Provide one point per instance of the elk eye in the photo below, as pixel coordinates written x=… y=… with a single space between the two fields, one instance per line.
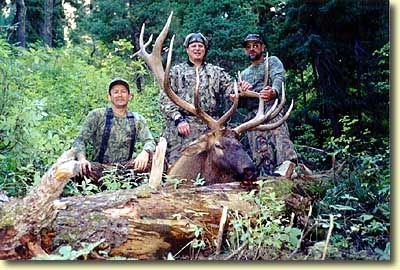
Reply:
x=219 y=146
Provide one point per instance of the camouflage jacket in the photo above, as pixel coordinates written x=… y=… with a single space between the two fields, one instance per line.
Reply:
x=91 y=133
x=255 y=76
x=214 y=89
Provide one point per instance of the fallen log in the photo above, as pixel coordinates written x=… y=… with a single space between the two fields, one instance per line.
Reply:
x=22 y=219
x=142 y=223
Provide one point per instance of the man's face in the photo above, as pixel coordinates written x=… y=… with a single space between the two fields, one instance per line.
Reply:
x=254 y=50
x=119 y=96
x=196 y=51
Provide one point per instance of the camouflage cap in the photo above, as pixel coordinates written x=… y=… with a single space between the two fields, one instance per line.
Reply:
x=195 y=37
x=119 y=80
x=252 y=37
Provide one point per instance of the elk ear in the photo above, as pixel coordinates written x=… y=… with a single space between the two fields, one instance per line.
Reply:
x=197 y=147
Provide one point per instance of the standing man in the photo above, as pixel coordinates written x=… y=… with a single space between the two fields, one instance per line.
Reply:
x=215 y=86
x=112 y=132
x=272 y=150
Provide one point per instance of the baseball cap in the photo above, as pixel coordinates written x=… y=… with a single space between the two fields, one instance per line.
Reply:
x=252 y=37
x=119 y=80
x=195 y=37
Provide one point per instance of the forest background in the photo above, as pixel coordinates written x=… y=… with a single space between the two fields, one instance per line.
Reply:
x=55 y=67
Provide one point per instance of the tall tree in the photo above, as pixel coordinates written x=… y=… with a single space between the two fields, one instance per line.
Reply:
x=47 y=28
x=337 y=39
x=20 y=18
x=225 y=23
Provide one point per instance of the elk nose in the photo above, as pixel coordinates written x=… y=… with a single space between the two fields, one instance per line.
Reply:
x=250 y=173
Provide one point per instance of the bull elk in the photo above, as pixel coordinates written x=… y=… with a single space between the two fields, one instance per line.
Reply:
x=218 y=155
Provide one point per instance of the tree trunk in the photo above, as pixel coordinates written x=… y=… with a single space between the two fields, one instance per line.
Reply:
x=48 y=23
x=22 y=220
x=21 y=20
x=304 y=91
x=141 y=223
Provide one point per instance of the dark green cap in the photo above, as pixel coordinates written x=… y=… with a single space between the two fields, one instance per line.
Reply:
x=119 y=80
x=252 y=37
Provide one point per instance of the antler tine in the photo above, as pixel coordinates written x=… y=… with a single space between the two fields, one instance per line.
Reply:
x=266 y=74
x=247 y=93
x=153 y=60
x=142 y=47
x=233 y=108
x=280 y=106
x=195 y=110
x=278 y=123
x=206 y=118
x=258 y=119
x=161 y=37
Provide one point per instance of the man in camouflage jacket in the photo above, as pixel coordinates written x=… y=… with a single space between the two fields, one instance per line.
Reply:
x=272 y=150
x=117 y=147
x=215 y=86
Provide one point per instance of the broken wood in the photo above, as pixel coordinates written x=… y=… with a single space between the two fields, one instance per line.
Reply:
x=141 y=223
x=157 y=166
x=222 y=224
x=22 y=219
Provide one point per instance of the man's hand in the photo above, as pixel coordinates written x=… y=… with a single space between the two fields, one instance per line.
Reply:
x=244 y=86
x=140 y=162
x=268 y=93
x=84 y=166
x=183 y=128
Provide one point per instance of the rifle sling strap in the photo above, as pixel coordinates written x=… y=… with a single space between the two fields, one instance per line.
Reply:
x=107 y=132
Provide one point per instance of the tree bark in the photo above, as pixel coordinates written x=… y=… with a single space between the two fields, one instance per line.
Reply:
x=21 y=20
x=48 y=23
x=141 y=223
x=21 y=220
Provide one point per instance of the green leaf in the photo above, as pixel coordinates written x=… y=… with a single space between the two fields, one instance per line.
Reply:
x=65 y=251
x=342 y=207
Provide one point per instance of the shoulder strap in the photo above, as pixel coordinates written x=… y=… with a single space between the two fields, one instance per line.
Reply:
x=131 y=120
x=106 y=135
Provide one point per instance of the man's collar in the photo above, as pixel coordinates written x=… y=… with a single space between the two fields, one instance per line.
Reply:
x=191 y=64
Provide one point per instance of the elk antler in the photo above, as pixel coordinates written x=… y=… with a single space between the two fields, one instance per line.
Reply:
x=276 y=112
x=253 y=94
x=196 y=110
x=255 y=123
x=247 y=93
x=154 y=59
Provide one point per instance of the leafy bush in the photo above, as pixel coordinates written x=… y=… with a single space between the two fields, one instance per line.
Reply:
x=266 y=229
x=359 y=197
x=47 y=93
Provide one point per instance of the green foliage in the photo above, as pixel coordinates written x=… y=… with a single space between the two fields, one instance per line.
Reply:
x=198 y=231
x=199 y=181
x=337 y=71
x=265 y=229
x=359 y=196
x=35 y=14
x=173 y=181
x=67 y=253
x=46 y=94
x=332 y=72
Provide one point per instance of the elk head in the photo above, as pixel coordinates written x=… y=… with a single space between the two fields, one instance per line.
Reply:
x=218 y=155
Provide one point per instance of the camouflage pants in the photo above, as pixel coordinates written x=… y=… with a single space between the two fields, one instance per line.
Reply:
x=270 y=148
x=177 y=143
